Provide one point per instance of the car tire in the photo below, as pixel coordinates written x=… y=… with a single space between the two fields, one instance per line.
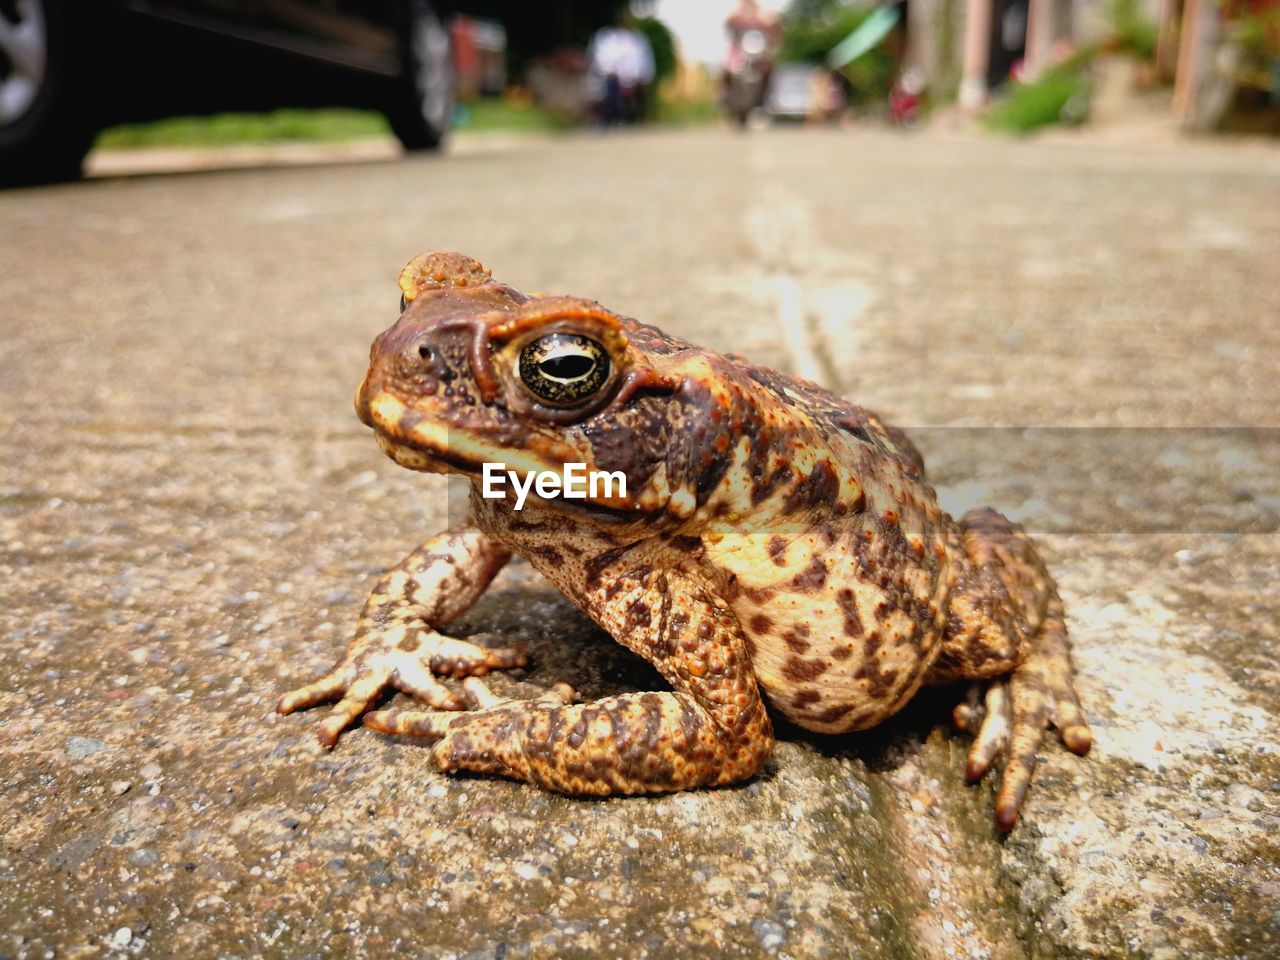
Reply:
x=421 y=108
x=44 y=132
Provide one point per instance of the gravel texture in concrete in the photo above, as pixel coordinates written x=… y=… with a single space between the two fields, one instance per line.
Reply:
x=190 y=516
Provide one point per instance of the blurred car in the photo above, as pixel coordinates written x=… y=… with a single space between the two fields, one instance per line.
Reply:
x=70 y=67
x=801 y=91
x=788 y=97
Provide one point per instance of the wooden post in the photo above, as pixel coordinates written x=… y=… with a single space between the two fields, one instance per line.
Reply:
x=1183 y=84
x=1166 y=39
x=923 y=30
x=1040 y=28
x=977 y=54
x=1199 y=33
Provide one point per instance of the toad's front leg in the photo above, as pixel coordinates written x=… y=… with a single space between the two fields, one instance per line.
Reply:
x=396 y=643
x=712 y=729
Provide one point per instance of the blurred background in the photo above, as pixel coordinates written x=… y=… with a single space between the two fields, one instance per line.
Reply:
x=119 y=75
x=1040 y=235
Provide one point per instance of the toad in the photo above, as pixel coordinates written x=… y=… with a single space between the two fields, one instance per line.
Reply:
x=773 y=548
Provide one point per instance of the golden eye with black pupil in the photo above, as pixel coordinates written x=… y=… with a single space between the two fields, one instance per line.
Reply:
x=564 y=369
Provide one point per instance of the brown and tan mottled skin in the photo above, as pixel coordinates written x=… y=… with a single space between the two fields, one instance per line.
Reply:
x=776 y=545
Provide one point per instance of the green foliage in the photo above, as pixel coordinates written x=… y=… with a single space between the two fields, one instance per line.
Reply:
x=1131 y=31
x=812 y=28
x=1259 y=32
x=490 y=113
x=683 y=112
x=505 y=113
x=663 y=45
x=229 y=128
x=871 y=75
x=1059 y=95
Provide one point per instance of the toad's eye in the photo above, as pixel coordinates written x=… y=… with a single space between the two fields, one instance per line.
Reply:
x=564 y=369
x=403 y=303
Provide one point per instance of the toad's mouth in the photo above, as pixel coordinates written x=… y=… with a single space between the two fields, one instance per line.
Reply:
x=433 y=447
x=420 y=443
x=417 y=442
x=428 y=461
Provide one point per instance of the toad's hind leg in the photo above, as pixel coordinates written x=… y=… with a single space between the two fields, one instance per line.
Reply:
x=1006 y=624
x=711 y=729
x=396 y=643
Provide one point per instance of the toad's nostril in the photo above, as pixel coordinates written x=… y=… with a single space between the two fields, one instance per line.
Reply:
x=426 y=353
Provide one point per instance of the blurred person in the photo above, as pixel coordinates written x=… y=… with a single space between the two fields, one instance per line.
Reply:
x=826 y=98
x=748 y=16
x=905 y=97
x=753 y=41
x=621 y=65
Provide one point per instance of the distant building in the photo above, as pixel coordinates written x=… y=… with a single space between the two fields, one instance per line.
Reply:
x=995 y=39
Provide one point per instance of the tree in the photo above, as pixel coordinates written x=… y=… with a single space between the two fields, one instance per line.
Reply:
x=662 y=44
x=812 y=28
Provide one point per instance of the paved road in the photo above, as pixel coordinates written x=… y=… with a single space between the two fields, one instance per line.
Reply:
x=190 y=514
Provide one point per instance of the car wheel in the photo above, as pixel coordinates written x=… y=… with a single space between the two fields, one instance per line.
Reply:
x=422 y=106
x=43 y=134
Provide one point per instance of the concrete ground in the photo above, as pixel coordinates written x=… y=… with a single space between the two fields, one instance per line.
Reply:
x=190 y=515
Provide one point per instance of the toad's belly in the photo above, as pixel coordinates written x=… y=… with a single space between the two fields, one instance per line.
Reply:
x=841 y=634
x=821 y=678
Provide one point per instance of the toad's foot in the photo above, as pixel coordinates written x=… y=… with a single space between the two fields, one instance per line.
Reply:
x=473 y=741
x=403 y=657
x=1015 y=713
x=424 y=723
x=396 y=643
